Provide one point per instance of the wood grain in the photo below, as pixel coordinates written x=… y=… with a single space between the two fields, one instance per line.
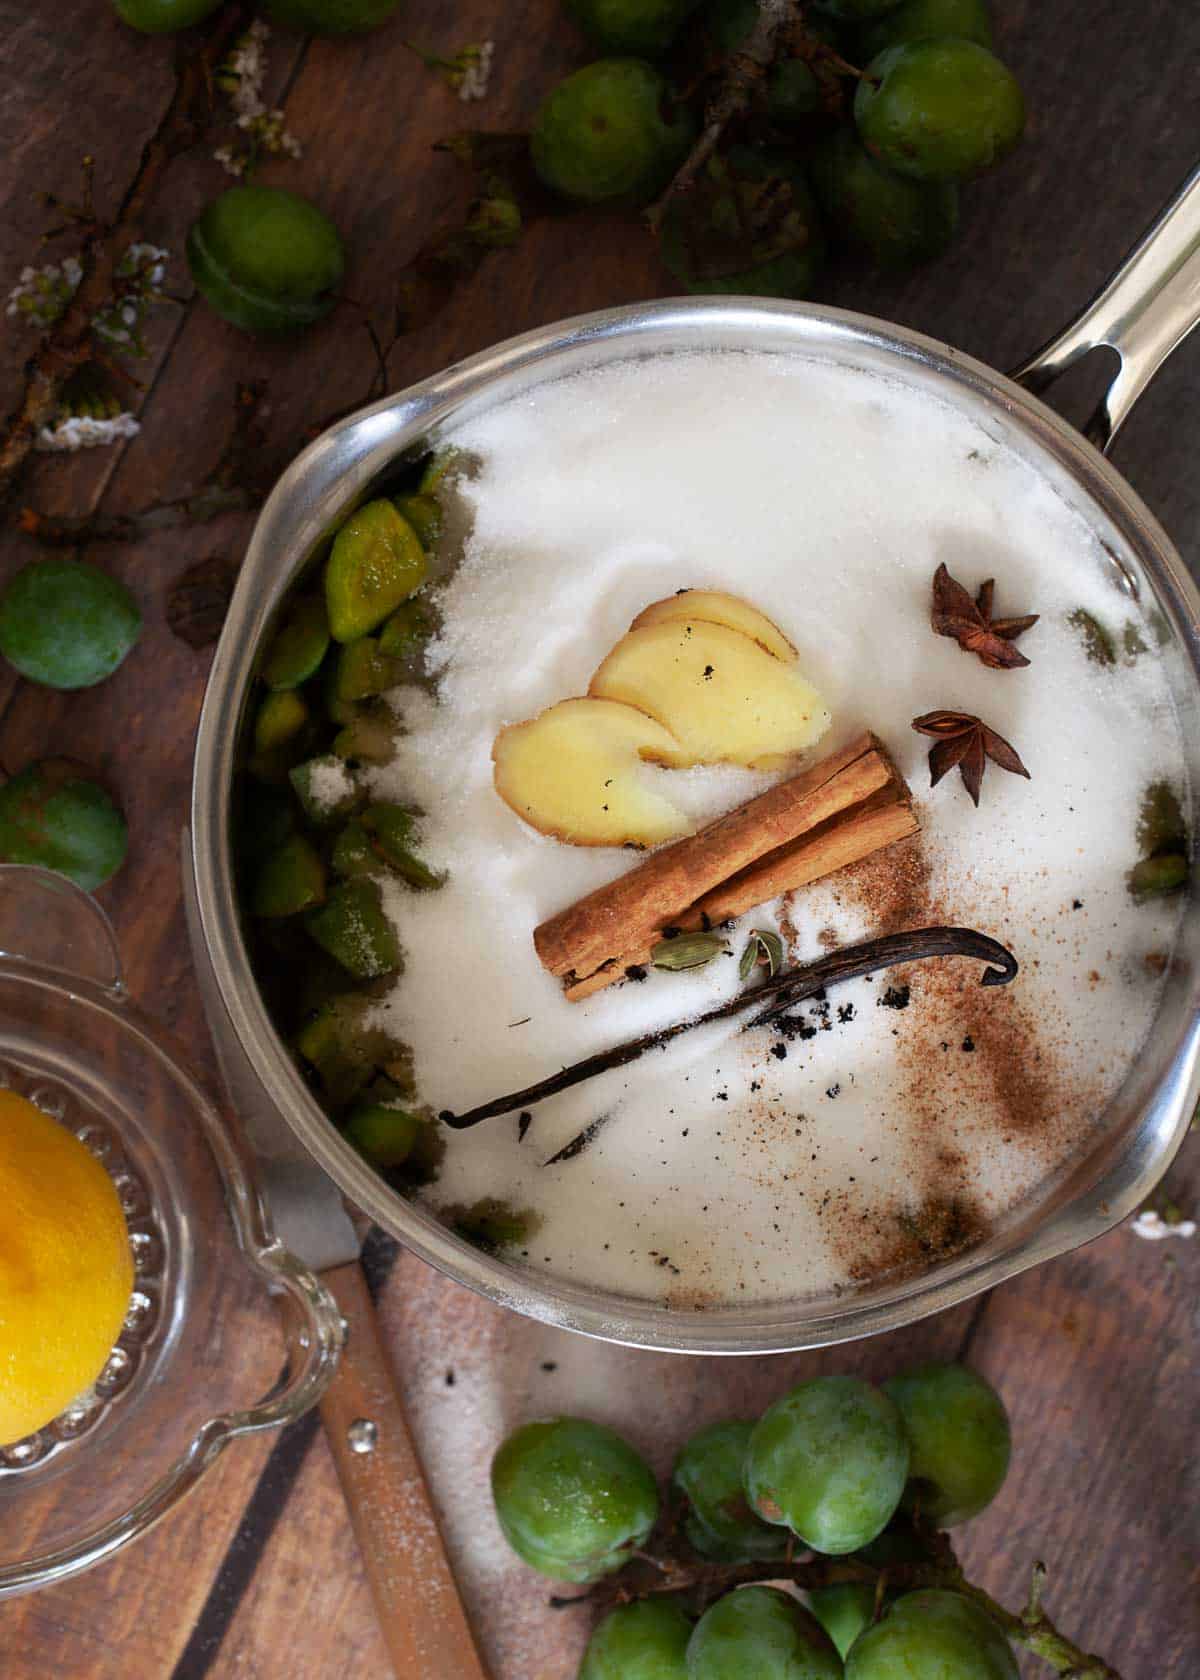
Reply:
x=1092 y=1352
x=416 y=1599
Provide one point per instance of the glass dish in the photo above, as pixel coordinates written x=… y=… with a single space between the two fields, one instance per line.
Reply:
x=227 y=1333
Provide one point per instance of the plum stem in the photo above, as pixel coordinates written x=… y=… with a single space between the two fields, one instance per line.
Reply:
x=653 y=1574
x=746 y=69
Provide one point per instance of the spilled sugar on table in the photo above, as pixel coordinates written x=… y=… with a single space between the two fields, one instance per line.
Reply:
x=259 y=1573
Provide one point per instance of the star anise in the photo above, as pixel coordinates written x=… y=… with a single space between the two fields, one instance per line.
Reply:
x=967 y=742
x=971 y=624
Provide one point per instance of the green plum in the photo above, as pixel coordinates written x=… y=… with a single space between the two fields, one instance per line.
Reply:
x=290 y=878
x=376 y=562
x=265 y=817
x=53 y=814
x=843 y=1610
x=829 y=1460
x=719 y=1524
x=163 y=17
x=917 y=20
x=1155 y=877
x=572 y=1497
x=610 y=131
x=644 y=28
x=280 y=719
x=890 y=219
x=352 y=928
x=66 y=624
x=344 y=1046
x=643 y=1641
x=856 y=10
x=793 y=91
x=932 y=1635
x=939 y=110
x=383 y=1133
x=760 y=1633
x=959 y=1437
x=266 y=260
x=332 y=17
x=300 y=644
x=847 y=1607
x=749 y=226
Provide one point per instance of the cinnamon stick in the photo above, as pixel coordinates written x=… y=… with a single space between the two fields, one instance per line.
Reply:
x=835 y=845
x=832 y=814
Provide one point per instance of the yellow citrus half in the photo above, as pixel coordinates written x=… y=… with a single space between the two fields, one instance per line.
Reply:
x=65 y=1267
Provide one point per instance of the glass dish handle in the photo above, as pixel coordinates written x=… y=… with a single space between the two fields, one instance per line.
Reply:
x=47 y=922
x=1143 y=312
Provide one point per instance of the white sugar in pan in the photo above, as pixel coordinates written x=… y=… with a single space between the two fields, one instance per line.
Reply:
x=912 y=1108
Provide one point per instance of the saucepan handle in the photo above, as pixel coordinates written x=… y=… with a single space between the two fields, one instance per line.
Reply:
x=1148 y=307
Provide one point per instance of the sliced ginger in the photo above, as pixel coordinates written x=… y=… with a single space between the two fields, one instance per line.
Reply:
x=720 y=694
x=699 y=678
x=575 y=772
x=713 y=606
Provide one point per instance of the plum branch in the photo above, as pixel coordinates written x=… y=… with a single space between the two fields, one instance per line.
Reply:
x=68 y=345
x=667 y=1571
x=744 y=72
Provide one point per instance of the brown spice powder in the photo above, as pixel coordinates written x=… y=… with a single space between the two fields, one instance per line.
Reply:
x=971 y=1062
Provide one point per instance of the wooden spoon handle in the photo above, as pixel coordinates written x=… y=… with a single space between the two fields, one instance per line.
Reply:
x=416 y=1598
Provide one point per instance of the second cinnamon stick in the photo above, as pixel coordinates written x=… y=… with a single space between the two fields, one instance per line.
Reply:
x=591 y=943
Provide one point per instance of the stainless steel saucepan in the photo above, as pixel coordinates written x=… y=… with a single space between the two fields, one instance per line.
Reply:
x=1144 y=311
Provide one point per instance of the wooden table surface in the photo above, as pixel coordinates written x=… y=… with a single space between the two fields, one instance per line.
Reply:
x=257 y=1576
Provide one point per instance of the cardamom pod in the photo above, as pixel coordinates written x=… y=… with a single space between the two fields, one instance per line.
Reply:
x=762 y=947
x=687 y=950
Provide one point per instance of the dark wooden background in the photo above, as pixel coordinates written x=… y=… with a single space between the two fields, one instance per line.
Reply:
x=258 y=1576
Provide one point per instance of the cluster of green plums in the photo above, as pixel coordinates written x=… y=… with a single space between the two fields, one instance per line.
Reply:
x=843 y=1467
x=876 y=174
x=869 y=162
x=64 y=624
x=316 y=848
x=315 y=17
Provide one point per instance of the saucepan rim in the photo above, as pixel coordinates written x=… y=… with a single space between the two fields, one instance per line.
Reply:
x=338 y=468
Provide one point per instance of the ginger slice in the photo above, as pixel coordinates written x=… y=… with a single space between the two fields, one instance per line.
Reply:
x=577 y=772
x=714 y=606
x=720 y=694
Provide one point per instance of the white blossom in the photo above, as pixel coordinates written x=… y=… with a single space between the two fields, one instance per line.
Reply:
x=233 y=163
x=1154 y=1227
x=41 y=295
x=476 y=65
x=242 y=76
x=77 y=431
